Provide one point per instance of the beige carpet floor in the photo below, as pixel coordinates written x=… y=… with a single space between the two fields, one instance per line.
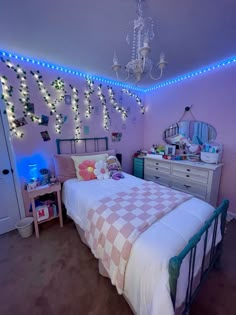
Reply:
x=57 y=274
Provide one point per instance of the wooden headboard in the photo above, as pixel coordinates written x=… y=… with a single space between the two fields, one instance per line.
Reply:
x=82 y=145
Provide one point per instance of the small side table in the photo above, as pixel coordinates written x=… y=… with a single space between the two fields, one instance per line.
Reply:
x=40 y=191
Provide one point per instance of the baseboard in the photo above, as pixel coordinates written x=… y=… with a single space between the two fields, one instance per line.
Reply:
x=230 y=216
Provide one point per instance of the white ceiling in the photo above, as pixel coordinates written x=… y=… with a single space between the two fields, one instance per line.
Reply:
x=83 y=34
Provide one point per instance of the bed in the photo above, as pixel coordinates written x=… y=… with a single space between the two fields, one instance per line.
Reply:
x=169 y=261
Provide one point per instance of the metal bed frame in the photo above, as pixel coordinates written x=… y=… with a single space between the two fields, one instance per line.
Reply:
x=211 y=257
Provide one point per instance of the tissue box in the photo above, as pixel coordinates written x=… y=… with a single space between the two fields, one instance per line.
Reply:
x=208 y=157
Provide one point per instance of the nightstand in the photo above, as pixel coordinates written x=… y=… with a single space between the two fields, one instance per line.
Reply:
x=40 y=191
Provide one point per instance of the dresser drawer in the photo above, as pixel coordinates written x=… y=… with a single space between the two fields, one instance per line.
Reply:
x=158 y=178
x=154 y=165
x=200 y=191
x=190 y=170
x=191 y=173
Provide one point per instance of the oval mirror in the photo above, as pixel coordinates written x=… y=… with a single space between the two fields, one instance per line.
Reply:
x=197 y=132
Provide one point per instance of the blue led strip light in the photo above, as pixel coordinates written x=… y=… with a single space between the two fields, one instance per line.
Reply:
x=101 y=79
x=68 y=70
x=193 y=73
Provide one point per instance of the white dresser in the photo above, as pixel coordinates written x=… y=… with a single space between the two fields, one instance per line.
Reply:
x=197 y=178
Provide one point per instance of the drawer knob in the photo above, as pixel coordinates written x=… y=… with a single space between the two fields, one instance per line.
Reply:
x=187 y=186
x=187 y=175
x=157 y=168
x=157 y=177
x=188 y=170
x=157 y=163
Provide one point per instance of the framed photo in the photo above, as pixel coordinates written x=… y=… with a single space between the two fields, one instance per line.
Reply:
x=170 y=150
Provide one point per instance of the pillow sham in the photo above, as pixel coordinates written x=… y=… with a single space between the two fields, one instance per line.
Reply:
x=85 y=165
x=64 y=165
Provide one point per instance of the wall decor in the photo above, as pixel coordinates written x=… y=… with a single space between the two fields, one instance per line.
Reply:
x=67 y=99
x=137 y=98
x=86 y=130
x=115 y=104
x=45 y=135
x=19 y=122
x=116 y=136
x=44 y=120
x=75 y=108
x=106 y=116
x=87 y=95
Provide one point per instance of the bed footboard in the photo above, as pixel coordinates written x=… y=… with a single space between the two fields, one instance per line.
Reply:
x=211 y=257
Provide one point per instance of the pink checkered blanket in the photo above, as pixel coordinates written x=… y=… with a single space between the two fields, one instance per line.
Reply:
x=117 y=221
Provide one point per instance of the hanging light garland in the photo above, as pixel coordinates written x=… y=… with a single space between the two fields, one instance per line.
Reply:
x=87 y=95
x=59 y=85
x=24 y=90
x=10 y=108
x=75 y=108
x=115 y=104
x=138 y=99
x=106 y=116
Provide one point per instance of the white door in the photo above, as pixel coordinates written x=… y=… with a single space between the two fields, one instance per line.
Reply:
x=9 y=207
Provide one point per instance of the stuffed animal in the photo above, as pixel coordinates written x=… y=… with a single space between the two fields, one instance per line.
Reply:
x=114 y=168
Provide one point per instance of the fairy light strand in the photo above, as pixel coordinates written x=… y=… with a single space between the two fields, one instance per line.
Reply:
x=138 y=99
x=75 y=108
x=106 y=116
x=7 y=92
x=87 y=95
x=115 y=104
x=60 y=119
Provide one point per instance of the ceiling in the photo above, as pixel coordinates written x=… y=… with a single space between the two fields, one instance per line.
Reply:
x=83 y=34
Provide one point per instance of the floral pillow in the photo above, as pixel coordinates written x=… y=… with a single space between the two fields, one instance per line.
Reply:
x=101 y=171
x=85 y=165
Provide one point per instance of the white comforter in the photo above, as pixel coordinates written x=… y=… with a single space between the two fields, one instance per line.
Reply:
x=146 y=279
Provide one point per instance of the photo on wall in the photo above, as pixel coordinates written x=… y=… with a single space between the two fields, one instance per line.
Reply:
x=44 y=120
x=45 y=135
x=30 y=107
x=67 y=99
x=116 y=136
x=20 y=122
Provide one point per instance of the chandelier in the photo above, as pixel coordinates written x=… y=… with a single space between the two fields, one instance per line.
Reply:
x=140 y=36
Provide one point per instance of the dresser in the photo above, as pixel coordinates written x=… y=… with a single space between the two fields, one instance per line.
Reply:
x=196 y=178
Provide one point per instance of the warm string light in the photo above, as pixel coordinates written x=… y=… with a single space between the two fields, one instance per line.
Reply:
x=47 y=97
x=75 y=108
x=10 y=108
x=138 y=99
x=115 y=103
x=106 y=116
x=87 y=95
x=24 y=90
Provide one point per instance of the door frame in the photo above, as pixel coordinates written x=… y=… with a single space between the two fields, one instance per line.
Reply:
x=12 y=159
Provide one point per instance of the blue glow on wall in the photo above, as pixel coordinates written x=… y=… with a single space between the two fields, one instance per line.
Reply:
x=183 y=77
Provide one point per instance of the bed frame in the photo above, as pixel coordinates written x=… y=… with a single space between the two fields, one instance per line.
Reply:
x=209 y=260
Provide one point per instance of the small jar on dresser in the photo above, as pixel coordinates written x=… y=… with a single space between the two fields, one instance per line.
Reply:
x=196 y=178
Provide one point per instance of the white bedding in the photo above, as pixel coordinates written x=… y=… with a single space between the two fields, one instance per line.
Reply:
x=146 y=278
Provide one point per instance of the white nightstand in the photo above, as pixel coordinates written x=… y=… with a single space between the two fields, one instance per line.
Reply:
x=40 y=191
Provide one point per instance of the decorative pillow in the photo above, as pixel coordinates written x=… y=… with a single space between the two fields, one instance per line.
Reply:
x=101 y=171
x=64 y=165
x=85 y=165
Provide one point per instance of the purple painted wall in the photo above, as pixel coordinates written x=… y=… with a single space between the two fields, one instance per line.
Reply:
x=31 y=148
x=213 y=96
